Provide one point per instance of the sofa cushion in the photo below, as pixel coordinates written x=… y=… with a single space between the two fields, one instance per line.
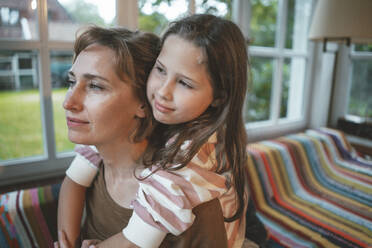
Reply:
x=28 y=218
x=311 y=190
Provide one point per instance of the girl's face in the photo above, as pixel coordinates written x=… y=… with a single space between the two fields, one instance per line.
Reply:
x=179 y=88
x=99 y=106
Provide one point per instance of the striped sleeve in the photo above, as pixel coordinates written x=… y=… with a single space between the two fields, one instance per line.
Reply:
x=85 y=165
x=165 y=199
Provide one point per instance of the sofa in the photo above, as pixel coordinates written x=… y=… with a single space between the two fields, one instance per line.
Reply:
x=28 y=218
x=309 y=189
x=312 y=189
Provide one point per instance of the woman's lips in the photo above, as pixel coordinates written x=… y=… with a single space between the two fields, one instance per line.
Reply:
x=162 y=108
x=74 y=122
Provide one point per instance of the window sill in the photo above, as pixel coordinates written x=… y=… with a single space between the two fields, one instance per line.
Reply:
x=355 y=128
x=259 y=131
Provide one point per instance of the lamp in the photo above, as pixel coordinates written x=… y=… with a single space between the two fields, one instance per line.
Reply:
x=342 y=20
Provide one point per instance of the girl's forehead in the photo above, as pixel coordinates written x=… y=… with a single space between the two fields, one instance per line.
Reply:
x=180 y=57
x=184 y=47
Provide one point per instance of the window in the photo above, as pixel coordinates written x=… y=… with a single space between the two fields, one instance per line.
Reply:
x=278 y=54
x=154 y=15
x=19 y=105
x=259 y=92
x=18 y=21
x=219 y=8
x=351 y=108
x=66 y=17
x=33 y=69
x=60 y=63
x=36 y=41
x=359 y=96
x=9 y=17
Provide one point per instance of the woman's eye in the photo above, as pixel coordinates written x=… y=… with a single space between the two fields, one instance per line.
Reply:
x=71 y=83
x=95 y=86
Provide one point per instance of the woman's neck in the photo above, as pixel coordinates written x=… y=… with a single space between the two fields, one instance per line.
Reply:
x=121 y=159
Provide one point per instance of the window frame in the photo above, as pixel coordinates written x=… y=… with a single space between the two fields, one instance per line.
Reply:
x=343 y=81
x=50 y=164
x=277 y=126
x=355 y=56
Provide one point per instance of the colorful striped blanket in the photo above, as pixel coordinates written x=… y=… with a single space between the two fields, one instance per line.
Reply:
x=28 y=218
x=312 y=190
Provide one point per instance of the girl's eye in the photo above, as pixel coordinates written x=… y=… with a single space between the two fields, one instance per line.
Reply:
x=159 y=69
x=185 y=84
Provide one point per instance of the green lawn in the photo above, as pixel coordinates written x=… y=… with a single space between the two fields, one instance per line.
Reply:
x=20 y=124
x=60 y=127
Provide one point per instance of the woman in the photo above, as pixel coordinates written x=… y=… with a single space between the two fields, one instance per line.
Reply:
x=106 y=106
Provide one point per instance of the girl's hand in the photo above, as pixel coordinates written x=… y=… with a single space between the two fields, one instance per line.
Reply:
x=62 y=241
x=90 y=243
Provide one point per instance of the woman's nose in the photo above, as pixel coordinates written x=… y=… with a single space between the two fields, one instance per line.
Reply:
x=73 y=100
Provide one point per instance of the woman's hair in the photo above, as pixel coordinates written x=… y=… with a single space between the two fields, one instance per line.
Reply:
x=135 y=55
x=226 y=60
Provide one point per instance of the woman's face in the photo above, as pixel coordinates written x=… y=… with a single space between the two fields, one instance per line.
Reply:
x=179 y=87
x=100 y=107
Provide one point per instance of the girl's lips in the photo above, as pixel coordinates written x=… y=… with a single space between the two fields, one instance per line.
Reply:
x=162 y=108
x=73 y=122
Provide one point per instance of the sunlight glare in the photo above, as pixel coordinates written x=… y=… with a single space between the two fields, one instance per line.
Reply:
x=33 y=4
x=177 y=8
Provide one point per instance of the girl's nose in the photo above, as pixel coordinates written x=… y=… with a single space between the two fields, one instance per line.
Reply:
x=73 y=100
x=165 y=91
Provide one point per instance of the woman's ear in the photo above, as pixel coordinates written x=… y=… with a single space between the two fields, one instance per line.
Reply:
x=141 y=113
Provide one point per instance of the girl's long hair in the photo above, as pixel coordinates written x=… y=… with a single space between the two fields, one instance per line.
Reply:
x=226 y=58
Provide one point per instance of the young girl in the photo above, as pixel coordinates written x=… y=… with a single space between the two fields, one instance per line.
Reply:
x=197 y=152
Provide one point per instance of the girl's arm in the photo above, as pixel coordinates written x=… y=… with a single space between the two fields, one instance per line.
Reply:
x=117 y=241
x=165 y=199
x=70 y=209
x=80 y=175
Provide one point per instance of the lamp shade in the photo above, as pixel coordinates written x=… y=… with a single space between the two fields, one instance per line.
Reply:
x=342 y=19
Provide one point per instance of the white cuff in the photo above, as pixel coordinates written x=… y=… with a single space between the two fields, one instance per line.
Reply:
x=81 y=171
x=142 y=234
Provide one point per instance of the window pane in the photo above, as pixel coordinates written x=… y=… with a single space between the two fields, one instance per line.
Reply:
x=155 y=15
x=363 y=48
x=360 y=100
x=60 y=63
x=263 y=22
x=215 y=7
x=292 y=88
x=259 y=93
x=18 y=20
x=20 y=122
x=65 y=17
x=298 y=23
